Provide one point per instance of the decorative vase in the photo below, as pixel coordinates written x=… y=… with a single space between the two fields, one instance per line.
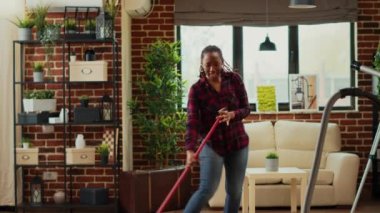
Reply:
x=104 y=159
x=80 y=143
x=271 y=165
x=59 y=197
x=38 y=76
x=64 y=115
x=24 y=34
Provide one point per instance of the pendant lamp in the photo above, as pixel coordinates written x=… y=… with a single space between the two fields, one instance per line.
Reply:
x=267 y=45
x=302 y=4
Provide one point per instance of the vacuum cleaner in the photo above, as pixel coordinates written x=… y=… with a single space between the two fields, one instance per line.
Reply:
x=355 y=92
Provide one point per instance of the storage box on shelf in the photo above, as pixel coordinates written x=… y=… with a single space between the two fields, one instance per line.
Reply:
x=84 y=156
x=88 y=71
x=27 y=156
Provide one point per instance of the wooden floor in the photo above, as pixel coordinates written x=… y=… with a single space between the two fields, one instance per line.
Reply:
x=364 y=206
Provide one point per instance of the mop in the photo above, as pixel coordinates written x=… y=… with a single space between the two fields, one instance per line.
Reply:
x=187 y=168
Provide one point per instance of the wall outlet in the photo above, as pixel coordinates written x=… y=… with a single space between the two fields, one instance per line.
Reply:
x=49 y=175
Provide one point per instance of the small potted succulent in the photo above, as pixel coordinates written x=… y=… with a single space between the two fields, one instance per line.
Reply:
x=90 y=26
x=25 y=142
x=38 y=75
x=39 y=100
x=84 y=99
x=103 y=150
x=25 y=26
x=70 y=26
x=271 y=162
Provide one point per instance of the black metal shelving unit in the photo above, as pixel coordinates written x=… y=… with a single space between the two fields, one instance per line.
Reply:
x=18 y=81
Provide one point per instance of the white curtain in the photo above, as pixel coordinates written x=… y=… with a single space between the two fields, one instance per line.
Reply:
x=8 y=11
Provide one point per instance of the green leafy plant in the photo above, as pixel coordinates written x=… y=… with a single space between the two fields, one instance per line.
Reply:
x=26 y=22
x=111 y=7
x=39 y=94
x=272 y=155
x=103 y=149
x=90 y=25
x=25 y=139
x=70 y=24
x=38 y=67
x=39 y=14
x=159 y=116
x=84 y=98
x=376 y=65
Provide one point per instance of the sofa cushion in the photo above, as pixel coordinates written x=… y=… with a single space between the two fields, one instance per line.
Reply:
x=261 y=135
x=296 y=142
x=299 y=158
x=325 y=177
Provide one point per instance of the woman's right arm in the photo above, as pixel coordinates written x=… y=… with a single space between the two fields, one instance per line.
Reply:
x=193 y=122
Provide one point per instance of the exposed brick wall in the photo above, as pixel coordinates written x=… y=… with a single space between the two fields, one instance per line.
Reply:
x=50 y=145
x=355 y=126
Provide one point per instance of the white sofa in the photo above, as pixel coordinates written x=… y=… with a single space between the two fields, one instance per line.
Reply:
x=295 y=143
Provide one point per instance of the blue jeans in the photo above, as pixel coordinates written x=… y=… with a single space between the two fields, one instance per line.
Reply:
x=211 y=165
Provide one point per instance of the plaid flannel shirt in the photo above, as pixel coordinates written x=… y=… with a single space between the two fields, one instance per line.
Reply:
x=202 y=108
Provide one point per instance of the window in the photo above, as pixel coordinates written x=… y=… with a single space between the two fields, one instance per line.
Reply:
x=265 y=67
x=193 y=40
x=324 y=50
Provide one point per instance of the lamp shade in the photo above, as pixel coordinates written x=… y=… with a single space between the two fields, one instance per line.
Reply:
x=302 y=4
x=267 y=45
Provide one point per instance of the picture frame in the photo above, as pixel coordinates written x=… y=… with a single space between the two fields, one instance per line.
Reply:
x=266 y=98
x=303 y=92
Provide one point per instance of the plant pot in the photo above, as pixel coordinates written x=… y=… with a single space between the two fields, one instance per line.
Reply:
x=38 y=76
x=104 y=159
x=24 y=34
x=84 y=103
x=25 y=145
x=138 y=186
x=271 y=165
x=37 y=105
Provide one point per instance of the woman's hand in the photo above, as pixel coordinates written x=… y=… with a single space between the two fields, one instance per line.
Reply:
x=225 y=116
x=190 y=159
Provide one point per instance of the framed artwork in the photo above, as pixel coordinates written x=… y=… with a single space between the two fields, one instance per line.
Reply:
x=266 y=98
x=303 y=92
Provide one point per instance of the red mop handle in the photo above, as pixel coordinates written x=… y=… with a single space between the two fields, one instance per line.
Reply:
x=187 y=168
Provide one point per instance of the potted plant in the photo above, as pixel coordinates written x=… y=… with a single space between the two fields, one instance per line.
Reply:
x=39 y=14
x=25 y=142
x=103 y=150
x=70 y=26
x=271 y=162
x=25 y=26
x=39 y=100
x=90 y=26
x=48 y=40
x=84 y=99
x=38 y=75
x=160 y=116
